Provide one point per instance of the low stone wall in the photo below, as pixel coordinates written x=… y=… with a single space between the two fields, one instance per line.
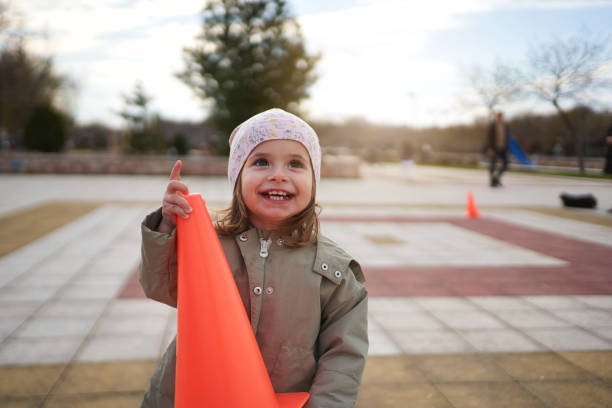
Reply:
x=341 y=166
x=108 y=163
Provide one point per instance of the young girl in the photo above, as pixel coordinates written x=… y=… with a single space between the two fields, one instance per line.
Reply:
x=303 y=294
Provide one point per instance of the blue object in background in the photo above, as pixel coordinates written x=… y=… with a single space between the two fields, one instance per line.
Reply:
x=16 y=166
x=518 y=152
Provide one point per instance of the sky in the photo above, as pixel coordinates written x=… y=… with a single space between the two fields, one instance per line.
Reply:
x=384 y=61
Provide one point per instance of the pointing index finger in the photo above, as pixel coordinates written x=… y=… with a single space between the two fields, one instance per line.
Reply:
x=175 y=174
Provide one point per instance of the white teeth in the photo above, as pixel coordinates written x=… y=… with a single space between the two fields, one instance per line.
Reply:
x=277 y=195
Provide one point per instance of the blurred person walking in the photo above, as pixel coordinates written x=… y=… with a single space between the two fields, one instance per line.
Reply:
x=496 y=148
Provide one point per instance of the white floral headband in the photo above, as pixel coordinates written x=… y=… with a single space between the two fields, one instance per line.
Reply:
x=273 y=124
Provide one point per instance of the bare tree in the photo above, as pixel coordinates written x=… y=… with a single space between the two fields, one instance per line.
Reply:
x=493 y=87
x=566 y=73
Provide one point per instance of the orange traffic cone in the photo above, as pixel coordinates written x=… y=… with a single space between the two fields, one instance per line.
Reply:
x=218 y=362
x=471 y=211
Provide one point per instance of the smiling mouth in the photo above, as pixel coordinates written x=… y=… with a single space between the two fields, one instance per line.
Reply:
x=277 y=195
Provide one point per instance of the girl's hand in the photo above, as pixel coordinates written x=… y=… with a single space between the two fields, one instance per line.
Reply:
x=173 y=203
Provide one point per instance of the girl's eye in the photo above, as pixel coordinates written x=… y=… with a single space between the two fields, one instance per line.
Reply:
x=260 y=162
x=296 y=163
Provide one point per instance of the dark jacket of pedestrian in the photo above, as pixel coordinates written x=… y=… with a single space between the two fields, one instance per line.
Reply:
x=498 y=143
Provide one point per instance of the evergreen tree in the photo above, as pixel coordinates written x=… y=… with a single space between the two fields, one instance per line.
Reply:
x=144 y=128
x=45 y=130
x=250 y=58
x=180 y=144
x=27 y=81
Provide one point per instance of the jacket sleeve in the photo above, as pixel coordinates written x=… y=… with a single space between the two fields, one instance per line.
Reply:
x=343 y=344
x=158 y=266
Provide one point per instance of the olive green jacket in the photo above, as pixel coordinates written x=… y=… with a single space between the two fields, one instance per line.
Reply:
x=307 y=307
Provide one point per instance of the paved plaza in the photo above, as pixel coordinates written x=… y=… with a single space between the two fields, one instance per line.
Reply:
x=512 y=309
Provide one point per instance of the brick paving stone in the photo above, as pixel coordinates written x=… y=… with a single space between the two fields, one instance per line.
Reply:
x=570 y=338
x=9 y=324
x=401 y=395
x=445 y=304
x=554 y=302
x=431 y=341
x=39 y=350
x=131 y=288
x=408 y=321
x=436 y=281
x=83 y=378
x=586 y=317
x=393 y=369
x=604 y=332
x=53 y=327
x=110 y=400
x=109 y=326
x=28 y=381
x=468 y=319
x=381 y=344
x=541 y=366
x=500 y=340
x=29 y=224
x=597 y=362
x=530 y=318
x=603 y=302
x=460 y=368
x=560 y=223
x=499 y=303
x=25 y=402
x=477 y=289
x=489 y=394
x=586 y=394
x=457 y=374
x=137 y=307
x=72 y=308
x=117 y=348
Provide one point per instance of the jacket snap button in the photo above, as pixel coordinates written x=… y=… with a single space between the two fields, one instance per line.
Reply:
x=269 y=290
x=338 y=274
x=243 y=237
x=324 y=267
x=257 y=290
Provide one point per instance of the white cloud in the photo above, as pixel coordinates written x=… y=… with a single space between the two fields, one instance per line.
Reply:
x=372 y=63
x=108 y=45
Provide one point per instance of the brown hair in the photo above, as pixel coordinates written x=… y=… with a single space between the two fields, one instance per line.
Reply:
x=299 y=230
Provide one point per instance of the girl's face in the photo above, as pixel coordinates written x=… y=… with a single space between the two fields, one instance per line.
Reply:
x=276 y=182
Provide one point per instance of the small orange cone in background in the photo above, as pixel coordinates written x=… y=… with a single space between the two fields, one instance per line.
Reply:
x=218 y=362
x=471 y=211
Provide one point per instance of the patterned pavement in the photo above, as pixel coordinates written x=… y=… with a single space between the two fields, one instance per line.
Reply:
x=512 y=309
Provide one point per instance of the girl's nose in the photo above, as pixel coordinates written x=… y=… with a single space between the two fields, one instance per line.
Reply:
x=278 y=174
